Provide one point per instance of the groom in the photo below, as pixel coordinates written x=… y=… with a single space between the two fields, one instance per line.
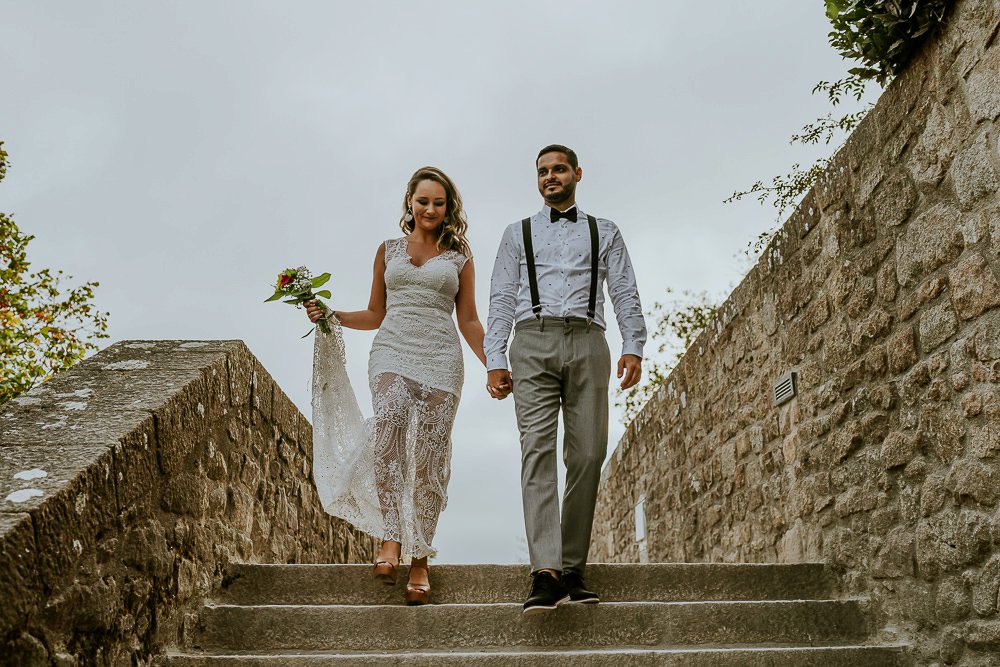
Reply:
x=547 y=285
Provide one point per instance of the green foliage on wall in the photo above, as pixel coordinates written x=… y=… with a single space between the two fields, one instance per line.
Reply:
x=678 y=323
x=882 y=36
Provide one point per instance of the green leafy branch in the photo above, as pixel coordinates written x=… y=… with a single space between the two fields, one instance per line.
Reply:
x=882 y=36
x=679 y=321
x=44 y=329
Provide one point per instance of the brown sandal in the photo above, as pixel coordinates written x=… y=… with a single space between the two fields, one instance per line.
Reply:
x=386 y=572
x=418 y=594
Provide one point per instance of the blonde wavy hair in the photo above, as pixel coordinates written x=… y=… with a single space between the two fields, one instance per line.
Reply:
x=451 y=233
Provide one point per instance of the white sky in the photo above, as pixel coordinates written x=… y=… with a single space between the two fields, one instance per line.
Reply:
x=183 y=153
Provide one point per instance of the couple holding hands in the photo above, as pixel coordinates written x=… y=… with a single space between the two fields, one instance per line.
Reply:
x=388 y=475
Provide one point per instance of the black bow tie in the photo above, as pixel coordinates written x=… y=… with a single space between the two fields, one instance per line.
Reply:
x=569 y=215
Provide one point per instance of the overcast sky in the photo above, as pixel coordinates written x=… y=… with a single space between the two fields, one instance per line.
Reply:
x=183 y=153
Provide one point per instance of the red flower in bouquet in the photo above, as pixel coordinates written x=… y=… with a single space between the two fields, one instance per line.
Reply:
x=296 y=287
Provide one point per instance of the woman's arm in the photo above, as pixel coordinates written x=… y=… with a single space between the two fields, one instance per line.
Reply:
x=465 y=311
x=370 y=318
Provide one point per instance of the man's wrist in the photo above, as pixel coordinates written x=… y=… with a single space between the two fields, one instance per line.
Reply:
x=497 y=363
x=632 y=348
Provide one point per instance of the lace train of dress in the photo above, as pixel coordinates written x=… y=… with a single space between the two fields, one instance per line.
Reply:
x=388 y=475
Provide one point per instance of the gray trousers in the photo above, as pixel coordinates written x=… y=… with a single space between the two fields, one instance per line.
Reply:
x=559 y=363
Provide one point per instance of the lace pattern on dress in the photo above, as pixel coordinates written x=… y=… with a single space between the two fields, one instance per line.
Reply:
x=388 y=475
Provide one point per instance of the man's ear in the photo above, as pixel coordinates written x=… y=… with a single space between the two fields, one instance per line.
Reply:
x=579 y=174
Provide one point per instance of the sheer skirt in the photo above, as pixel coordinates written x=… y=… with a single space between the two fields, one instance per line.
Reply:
x=387 y=475
x=411 y=442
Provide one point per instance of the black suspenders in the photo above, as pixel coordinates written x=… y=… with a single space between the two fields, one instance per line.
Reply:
x=529 y=254
x=592 y=304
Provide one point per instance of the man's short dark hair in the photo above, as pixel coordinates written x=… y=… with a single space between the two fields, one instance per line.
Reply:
x=559 y=148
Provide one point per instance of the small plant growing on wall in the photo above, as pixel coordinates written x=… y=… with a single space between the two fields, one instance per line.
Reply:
x=678 y=323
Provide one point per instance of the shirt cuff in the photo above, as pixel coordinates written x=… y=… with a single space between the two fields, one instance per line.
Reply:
x=496 y=362
x=632 y=348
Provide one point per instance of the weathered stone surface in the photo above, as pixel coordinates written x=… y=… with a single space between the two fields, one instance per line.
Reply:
x=986 y=589
x=983 y=635
x=121 y=382
x=983 y=440
x=144 y=548
x=886 y=461
x=894 y=200
x=934 y=150
x=991 y=220
x=895 y=557
x=937 y=325
x=974 y=287
x=127 y=485
x=941 y=431
x=901 y=350
x=18 y=570
x=927 y=292
x=974 y=174
x=899 y=448
x=974 y=479
x=950 y=540
x=26 y=651
x=931 y=240
x=953 y=600
x=69 y=520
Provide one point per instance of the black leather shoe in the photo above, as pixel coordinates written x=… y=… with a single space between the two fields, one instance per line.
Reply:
x=577 y=592
x=546 y=594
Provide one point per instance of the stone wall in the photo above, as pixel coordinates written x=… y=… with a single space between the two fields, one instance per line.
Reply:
x=128 y=483
x=882 y=292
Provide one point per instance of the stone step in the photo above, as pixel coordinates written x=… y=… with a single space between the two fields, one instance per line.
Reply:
x=661 y=582
x=724 y=656
x=482 y=626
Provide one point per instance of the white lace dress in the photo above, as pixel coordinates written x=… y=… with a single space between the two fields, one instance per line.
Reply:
x=388 y=475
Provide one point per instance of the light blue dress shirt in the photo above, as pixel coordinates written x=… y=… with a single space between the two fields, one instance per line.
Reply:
x=562 y=264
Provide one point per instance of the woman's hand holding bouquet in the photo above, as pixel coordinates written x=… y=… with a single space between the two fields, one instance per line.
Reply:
x=296 y=287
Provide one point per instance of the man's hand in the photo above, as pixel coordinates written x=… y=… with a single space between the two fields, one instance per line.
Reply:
x=499 y=383
x=631 y=367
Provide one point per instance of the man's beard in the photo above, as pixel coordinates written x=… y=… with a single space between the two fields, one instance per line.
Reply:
x=558 y=197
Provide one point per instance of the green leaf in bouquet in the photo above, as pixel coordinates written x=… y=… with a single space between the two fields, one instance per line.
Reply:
x=274 y=297
x=321 y=280
x=309 y=332
x=294 y=302
x=324 y=293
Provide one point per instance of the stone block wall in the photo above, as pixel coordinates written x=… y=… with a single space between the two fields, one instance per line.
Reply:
x=882 y=291
x=130 y=482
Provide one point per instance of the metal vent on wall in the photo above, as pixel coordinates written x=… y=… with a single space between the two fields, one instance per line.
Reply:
x=785 y=388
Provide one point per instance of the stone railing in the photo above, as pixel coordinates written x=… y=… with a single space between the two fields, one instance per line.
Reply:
x=130 y=482
x=882 y=293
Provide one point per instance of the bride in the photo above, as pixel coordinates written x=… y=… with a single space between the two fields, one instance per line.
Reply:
x=388 y=475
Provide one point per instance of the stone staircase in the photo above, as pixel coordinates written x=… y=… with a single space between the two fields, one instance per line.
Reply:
x=657 y=614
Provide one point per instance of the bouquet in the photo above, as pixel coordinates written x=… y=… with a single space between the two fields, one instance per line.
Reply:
x=298 y=285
